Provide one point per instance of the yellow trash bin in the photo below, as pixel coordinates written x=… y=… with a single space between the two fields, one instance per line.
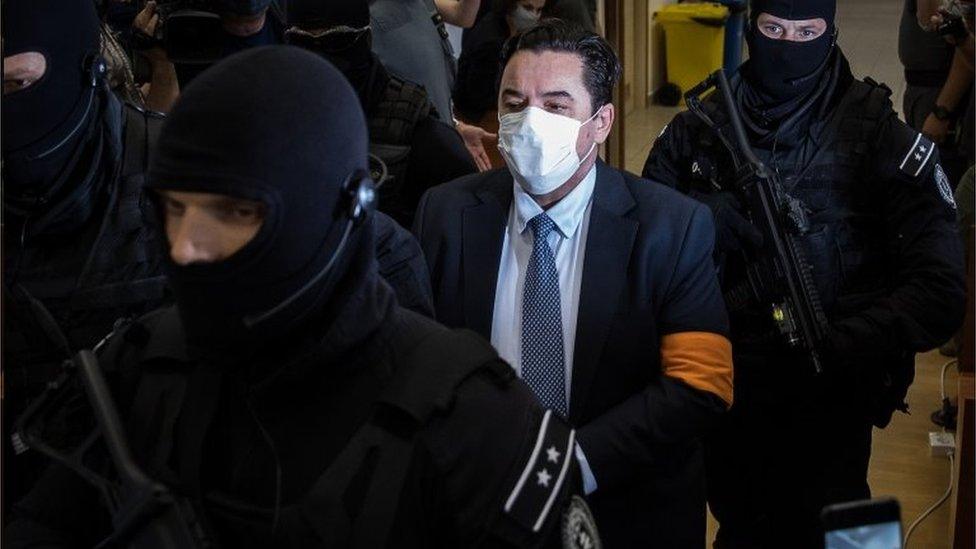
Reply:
x=694 y=37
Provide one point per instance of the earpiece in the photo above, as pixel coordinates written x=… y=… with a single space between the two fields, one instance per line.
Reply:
x=95 y=68
x=96 y=71
x=360 y=192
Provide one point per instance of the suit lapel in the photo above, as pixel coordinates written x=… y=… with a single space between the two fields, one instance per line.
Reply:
x=483 y=233
x=608 y=247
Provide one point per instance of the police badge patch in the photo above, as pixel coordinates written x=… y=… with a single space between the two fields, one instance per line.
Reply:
x=945 y=189
x=578 y=528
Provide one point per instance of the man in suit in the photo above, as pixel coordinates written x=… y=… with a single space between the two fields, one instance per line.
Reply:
x=596 y=286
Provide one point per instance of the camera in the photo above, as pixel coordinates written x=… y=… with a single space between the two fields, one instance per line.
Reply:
x=190 y=31
x=954 y=15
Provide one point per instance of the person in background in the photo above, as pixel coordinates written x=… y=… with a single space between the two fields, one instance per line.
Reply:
x=244 y=24
x=417 y=149
x=581 y=12
x=963 y=40
x=596 y=286
x=476 y=89
x=251 y=23
x=949 y=122
x=885 y=262
x=287 y=398
x=163 y=87
x=931 y=14
x=411 y=40
x=938 y=85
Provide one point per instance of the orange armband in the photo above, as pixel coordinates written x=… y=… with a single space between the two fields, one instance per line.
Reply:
x=702 y=360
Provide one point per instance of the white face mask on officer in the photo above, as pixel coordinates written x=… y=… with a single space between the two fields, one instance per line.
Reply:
x=540 y=148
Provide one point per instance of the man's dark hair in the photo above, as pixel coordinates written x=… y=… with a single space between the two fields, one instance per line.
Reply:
x=601 y=68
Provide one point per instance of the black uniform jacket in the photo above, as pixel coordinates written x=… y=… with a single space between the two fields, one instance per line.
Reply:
x=647 y=276
x=402 y=265
x=883 y=243
x=247 y=442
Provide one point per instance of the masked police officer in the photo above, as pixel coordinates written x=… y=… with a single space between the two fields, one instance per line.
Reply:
x=286 y=395
x=885 y=261
x=78 y=255
x=74 y=156
x=416 y=148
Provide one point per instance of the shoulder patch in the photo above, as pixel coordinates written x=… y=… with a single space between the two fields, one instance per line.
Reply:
x=578 y=529
x=945 y=189
x=543 y=474
x=917 y=156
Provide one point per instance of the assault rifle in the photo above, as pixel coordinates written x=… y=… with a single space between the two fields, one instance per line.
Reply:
x=778 y=276
x=145 y=514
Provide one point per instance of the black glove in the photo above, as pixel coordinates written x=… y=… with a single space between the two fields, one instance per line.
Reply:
x=733 y=232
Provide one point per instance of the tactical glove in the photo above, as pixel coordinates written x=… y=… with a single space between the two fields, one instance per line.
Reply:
x=733 y=231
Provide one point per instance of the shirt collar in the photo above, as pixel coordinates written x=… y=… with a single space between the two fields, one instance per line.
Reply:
x=566 y=214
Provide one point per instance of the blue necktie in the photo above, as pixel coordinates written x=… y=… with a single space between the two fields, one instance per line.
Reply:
x=542 y=326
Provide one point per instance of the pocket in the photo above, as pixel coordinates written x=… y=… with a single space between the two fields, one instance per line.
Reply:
x=822 y=254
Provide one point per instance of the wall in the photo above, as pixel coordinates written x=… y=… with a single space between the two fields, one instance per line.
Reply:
x=628 y=54
x=655 y=76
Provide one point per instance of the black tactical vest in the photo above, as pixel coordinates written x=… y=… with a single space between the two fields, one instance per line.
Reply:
x=110 y=270
x=846 y=246
x=831 y=175
x=392 y=122
x=839 y=190
x=355 y=500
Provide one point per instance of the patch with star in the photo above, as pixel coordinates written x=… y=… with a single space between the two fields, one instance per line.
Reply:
x=539 y=484
x=917 y=157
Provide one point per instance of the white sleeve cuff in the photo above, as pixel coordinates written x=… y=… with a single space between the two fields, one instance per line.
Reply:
x=589 y=481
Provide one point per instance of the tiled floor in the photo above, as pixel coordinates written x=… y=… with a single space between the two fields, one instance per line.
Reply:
x=642 y=126
x=901 y=464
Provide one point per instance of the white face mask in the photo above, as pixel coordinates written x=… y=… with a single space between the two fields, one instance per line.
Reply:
x=523 y=19
x=540 y=148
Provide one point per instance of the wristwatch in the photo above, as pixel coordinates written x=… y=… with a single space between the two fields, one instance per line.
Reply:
x=941 y=112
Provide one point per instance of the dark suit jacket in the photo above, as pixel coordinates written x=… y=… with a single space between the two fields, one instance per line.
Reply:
x=647 y=273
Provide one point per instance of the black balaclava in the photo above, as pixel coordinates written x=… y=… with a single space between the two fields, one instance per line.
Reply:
x=45 y=124
x=241 y=7
x=279 y=125
x=783 y=70
x=264 y=37
x=338 y=36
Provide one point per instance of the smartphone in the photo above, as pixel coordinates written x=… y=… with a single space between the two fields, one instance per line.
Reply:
x=867 y=524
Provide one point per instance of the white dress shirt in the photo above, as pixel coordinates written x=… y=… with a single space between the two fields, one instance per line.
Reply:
x=571 y=216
